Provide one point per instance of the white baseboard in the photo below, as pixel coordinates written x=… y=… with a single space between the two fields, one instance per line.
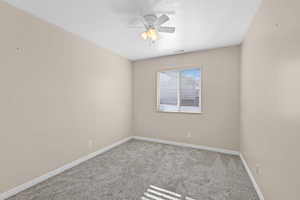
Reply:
x=50 y=174
x=258 y=191
x=44 y=177
x=219 y=150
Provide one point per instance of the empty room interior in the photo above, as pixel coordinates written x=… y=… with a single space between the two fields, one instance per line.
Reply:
x=149 y=99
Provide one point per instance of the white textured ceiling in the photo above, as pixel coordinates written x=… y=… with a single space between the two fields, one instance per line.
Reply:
x=200 y=24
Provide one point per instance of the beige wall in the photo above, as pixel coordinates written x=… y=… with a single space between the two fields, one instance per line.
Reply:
x=218 y=126
x=56 y=93
x=59 y=91
x=271 y=98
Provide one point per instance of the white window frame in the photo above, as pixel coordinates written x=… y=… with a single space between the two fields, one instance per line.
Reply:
x=199 y=111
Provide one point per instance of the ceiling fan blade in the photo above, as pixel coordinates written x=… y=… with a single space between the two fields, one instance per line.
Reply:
x=137 y=23
x=166 y=29
x=162 y=19
x=150 y=19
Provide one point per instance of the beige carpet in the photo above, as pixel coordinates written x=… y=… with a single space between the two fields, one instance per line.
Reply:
x=149 y=171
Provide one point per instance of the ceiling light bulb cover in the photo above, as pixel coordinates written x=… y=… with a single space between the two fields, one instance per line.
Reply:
x=152 y=34
x=154 y=37
x=144 y=35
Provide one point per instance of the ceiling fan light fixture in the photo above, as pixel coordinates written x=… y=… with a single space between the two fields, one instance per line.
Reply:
x=153 y=26
x=152 y=34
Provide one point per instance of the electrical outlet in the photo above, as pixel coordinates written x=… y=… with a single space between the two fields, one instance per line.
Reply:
x=19 y=49
x=90 y=144
x=189 y=134
x=257 y=169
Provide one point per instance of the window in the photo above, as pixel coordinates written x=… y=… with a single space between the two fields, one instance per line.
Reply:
x=179 y=90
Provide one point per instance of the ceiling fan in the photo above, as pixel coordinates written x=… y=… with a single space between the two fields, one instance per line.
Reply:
x=153 y=26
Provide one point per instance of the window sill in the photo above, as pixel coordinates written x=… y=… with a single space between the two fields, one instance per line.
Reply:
x=182 y=112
